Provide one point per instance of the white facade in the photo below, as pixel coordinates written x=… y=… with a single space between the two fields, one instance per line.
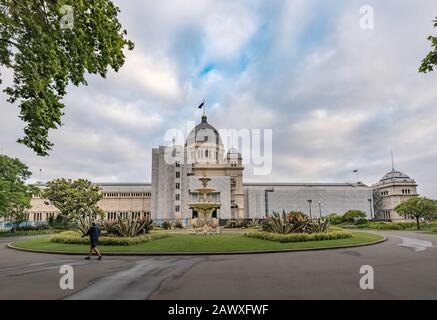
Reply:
x=316 y=199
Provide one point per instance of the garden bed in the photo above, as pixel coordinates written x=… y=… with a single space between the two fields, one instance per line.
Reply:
x=191 y=244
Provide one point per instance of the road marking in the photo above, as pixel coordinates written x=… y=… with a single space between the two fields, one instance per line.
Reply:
x=416 y=244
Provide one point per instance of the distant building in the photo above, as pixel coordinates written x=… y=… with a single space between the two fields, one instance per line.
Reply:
x=394 y=188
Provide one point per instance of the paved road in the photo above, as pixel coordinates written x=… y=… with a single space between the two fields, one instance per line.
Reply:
x=405 y=268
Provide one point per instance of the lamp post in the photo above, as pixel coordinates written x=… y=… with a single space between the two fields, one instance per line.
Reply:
x=266 y=200
x=371 y=208
x=320 y=209
x=309 y=206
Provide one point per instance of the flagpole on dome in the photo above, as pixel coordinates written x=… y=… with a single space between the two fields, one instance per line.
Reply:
x=203 y=106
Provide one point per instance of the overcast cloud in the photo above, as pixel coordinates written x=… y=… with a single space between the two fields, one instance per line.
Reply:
x=337 y=98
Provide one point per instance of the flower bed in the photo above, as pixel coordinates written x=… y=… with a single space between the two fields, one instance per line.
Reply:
x=71 y=237
x=299 y=237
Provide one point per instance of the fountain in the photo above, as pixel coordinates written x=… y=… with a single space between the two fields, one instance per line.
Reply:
x=205 y=223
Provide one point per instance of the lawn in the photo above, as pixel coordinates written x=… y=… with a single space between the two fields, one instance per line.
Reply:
x=184 y=243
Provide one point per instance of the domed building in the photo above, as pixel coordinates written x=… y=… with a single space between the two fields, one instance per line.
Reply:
x=394 y=188
x=173 y=181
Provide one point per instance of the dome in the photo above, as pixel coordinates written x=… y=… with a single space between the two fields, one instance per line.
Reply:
x=204 y=133
x=204 y=144
x=396 y=176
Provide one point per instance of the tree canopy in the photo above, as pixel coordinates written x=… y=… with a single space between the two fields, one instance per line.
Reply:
x=15 y=194
x=49 y=44
x=430 y=61
x=417 y=207
x=74 y=199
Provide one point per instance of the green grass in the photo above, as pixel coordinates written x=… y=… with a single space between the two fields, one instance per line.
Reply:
x=179 y=243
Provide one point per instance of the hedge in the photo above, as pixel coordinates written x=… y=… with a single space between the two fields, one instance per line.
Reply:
x=72 y=237
x=22 y=233
x=391 y=226
x=299 y=237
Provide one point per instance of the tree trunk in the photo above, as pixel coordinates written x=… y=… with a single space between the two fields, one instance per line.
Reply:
x=418 y=223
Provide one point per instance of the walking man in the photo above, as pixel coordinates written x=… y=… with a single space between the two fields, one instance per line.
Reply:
x=94 y=233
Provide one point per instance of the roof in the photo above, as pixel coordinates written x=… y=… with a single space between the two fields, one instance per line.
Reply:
x=202 y=130
x=289 y=184
x=396 y=176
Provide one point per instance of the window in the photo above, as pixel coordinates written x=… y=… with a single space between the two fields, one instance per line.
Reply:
x=178 y=185
x=233 y=183
x=177 y=208
x=178 y=164
x=178 y=197
x=178 y=174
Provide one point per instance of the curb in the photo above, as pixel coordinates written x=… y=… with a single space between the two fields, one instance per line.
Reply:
x=136 y=254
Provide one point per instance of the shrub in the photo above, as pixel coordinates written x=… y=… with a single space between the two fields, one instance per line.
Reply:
x=34 y=232
x=59 y=222
x=29 y=227
x=71 y=237
x=255 y=223
x=361 y=221
x=352 y=215
x=335 y=218
x=298 y=237
x=178 y=225
x=166 y=225
x=237 y=223
x=296 y=216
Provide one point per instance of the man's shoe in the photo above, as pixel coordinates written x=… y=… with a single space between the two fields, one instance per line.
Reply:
x=88 y=258
x=99 y=258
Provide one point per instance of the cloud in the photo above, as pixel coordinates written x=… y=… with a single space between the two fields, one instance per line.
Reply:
x=337 y=98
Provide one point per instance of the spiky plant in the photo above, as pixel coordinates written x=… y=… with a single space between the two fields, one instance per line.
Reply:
x=280 y=224
x=318 y=226
x=132 y=228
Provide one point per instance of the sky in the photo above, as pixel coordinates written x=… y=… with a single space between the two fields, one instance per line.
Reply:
x=337 y=97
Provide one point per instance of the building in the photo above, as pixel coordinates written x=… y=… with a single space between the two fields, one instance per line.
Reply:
x=175 y=174
x=394 y=188
x=119 y=200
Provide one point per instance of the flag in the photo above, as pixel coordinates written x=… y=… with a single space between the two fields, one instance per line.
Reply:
x=202 y=104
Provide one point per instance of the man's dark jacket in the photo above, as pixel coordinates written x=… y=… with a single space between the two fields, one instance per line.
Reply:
x=93 y=232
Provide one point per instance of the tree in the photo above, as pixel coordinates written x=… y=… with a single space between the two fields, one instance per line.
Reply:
x=49 y=44
x=417 y=207
x=352 y=215
x=430 y=61
x=15 y=194
x=76 y=200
